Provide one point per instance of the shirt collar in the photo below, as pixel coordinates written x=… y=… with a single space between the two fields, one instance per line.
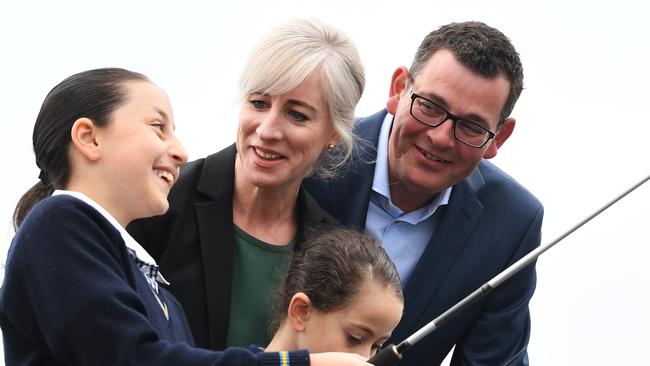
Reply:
x=130 y=243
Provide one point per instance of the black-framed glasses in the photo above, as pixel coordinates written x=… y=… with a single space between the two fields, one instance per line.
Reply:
x=431 y=114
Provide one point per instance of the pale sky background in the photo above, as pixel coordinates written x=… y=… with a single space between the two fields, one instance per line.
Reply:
x=582 y=133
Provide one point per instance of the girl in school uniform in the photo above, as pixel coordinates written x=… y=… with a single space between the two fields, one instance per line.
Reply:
x=78 y=290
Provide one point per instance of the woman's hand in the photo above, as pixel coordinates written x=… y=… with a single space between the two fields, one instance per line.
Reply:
x=337 y=359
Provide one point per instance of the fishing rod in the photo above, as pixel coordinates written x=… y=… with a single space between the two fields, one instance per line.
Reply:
x=391 y=354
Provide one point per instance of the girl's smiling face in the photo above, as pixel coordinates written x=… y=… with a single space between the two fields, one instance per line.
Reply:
x=140 y=155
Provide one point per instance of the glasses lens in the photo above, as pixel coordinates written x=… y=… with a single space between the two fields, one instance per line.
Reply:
x=427 y=112
x=471 y=133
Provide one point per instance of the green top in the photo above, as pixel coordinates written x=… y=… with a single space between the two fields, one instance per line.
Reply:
x=259 y=269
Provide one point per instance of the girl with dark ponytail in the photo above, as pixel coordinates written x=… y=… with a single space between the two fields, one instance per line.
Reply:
x=92 y=94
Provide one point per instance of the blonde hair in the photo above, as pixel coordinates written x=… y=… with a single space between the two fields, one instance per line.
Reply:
x=289 y=54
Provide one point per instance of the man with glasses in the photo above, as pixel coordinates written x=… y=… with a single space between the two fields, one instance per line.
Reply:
x=449 y=219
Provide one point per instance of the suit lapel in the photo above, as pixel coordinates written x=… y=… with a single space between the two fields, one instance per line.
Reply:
x=310 y=213
x=217 y=239
x=356 y=188
x=456 y=222
x=357 y=181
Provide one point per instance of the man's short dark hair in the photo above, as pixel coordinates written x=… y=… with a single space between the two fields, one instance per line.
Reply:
x=482 y=49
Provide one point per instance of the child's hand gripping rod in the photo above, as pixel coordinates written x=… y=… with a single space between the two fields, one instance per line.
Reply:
x=391 y=354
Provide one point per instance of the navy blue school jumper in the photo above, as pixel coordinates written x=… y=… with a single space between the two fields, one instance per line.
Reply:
x=74 y=295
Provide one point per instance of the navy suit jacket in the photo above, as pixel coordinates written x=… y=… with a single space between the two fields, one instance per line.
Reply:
x=490 y=222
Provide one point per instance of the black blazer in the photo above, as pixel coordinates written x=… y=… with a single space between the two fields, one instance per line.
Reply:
x=193 y=242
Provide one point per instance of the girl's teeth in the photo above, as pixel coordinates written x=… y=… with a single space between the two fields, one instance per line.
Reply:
x=165 y=175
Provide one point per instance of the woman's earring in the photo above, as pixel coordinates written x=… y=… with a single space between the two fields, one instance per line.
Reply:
x=330 y=147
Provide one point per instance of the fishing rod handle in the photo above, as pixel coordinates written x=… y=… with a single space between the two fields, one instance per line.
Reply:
x=387 y=356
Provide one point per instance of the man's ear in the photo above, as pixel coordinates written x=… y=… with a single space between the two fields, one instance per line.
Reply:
x=84 y=138
x=300 y=309
x=502 y=135
x=398 y=83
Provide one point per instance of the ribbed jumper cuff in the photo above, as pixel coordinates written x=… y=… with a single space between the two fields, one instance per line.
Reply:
x=294 y=358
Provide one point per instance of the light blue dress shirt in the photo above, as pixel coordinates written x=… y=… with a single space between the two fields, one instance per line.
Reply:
x=404 y=236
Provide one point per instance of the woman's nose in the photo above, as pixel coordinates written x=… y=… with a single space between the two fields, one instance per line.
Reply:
x=270 y=126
